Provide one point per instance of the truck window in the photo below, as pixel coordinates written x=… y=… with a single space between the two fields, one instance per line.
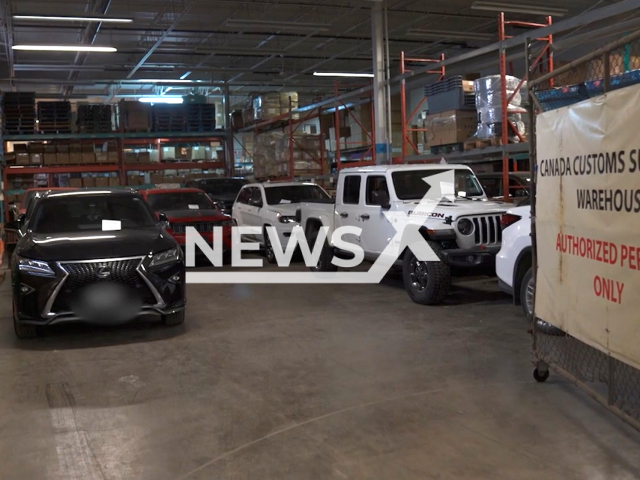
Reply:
x=351 y=194
x=375 y=184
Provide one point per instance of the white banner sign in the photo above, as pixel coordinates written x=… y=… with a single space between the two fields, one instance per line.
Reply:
x=588 y=222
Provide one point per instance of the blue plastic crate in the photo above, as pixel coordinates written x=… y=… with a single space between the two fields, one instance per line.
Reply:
x=555 y=98
x=596 y=87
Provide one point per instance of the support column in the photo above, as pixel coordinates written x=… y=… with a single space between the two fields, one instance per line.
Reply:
x=382 y=147
x=229 y=137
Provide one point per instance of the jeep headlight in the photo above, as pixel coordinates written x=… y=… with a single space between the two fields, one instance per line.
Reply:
x=465 y=227
x=35 y=267
x=168 y=256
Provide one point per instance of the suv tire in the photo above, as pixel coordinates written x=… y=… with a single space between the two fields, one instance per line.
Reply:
x=326 y=256
x=427 y=283
x=526 y=295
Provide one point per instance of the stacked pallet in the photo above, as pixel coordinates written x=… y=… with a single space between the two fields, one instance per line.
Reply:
x=135 y=116
x=19 y=113
x=54 y=117
x=94 y=119
x=168 y=118
x=201 y=117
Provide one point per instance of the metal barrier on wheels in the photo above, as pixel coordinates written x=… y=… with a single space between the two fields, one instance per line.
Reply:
x=596 y=369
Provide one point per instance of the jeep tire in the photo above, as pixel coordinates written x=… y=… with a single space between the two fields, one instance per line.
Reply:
x=427 y=283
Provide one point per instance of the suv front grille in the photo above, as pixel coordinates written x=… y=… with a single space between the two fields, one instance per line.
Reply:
x=82 y=274
x=201 y=227
x=488 y=230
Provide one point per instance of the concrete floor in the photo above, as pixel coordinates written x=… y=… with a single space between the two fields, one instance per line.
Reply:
x=297 y=383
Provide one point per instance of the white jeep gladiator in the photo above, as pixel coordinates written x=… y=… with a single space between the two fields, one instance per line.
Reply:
x=463 y=230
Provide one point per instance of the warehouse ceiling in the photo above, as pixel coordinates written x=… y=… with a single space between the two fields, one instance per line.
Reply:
x=249 y=45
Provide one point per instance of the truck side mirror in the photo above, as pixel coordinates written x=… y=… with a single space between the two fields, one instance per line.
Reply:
x=381 y=197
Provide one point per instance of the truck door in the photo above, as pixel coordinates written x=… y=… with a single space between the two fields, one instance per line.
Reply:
x=377 y=231
x=348 y=205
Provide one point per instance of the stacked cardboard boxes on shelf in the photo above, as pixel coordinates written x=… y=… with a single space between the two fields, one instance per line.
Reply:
x=135 y=116
x=451 y=127
x=273 y=153
x=272 y=105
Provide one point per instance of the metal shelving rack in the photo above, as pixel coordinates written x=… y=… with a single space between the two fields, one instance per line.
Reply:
x=290 y=123
x=123 y=140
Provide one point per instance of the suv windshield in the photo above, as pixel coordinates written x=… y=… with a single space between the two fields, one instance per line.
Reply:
x=180 y=201
x=223 y=186
x=294 y=194
x=85 y=212
x=409 y=184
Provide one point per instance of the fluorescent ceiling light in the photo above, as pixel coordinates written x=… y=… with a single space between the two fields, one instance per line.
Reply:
x=72 y=19
x=508 y=7
x=284 y=26
x=64 y=48
x=166 y=80
x=342 y=74
x=161 y=99
x=444 y=34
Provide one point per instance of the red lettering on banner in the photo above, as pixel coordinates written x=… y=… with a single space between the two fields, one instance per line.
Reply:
x=607 y=289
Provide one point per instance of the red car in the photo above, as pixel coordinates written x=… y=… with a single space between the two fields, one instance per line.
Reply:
x=189 y=207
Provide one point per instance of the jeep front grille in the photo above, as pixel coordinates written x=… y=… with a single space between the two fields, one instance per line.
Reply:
x=82 y=274
x=488 y=230
x=201 y=227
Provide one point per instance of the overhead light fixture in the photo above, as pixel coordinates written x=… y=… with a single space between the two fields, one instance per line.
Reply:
x=283 y=26
x=184 y=76
x=342 y=74
x=444 y=34
x=64 y=48
x=72 y=19
x=162 y=99
x=513 y=8
x=166 y=80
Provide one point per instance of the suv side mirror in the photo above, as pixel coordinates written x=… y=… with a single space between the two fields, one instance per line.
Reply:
x=381 y=197
x=164 y=220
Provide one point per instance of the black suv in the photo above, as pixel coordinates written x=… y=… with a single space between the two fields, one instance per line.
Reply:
x=223 y=191
x=97 y=257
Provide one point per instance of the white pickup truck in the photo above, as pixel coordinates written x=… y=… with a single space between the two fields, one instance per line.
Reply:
x=464 y=229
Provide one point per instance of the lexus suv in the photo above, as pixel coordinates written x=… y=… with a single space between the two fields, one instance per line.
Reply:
x=98 y=257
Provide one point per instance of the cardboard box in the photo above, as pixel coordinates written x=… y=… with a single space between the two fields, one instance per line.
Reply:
x=62 y=148
x=10 y=158
x=50 y=159
x=130 y=157
x=196 y=153
x=112 y=157
x=168 y=153
x=102 y=181
x=63 y=158
x=467 y=86
x=144 y=157
x=20 y=148
x=22 y=158
x=450 y=127
x=36 y=158
x=88 y=157
x=133 y=180
x=157 y=178
x=89 y=182
x=75 y=158
x=36 y=147
x=102 y=157
x=87 y=148
x=114 y=182
x=75 y=148
x=75 y=182
x=50 y=149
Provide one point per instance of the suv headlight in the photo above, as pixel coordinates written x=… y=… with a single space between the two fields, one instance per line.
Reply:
x=35 y=267
x=168 y=256
x=465 y=226
x=286 y=219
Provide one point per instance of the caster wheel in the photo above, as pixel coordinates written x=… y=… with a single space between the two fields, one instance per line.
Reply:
x=540 y=377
